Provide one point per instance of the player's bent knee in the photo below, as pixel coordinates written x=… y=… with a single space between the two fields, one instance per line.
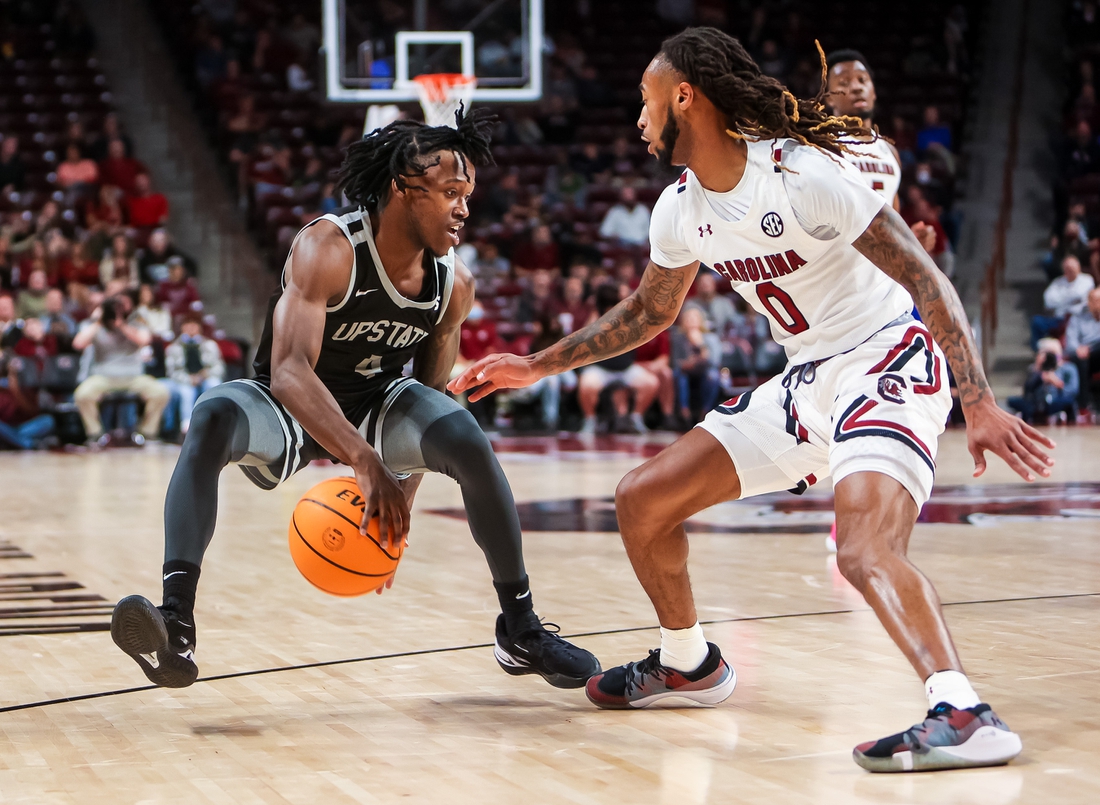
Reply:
x=637 y=501
x=213 y=422
x=459 y=446
x=852 y=564
x=860 y=561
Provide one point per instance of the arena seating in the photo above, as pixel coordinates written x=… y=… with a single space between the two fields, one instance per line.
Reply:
x=53 y=96
x=613 y=40
x=279 y=145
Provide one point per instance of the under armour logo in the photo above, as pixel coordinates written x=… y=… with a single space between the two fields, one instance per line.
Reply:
x=705 y=230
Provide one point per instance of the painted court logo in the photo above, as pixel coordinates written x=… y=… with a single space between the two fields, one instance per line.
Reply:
x=772 y=225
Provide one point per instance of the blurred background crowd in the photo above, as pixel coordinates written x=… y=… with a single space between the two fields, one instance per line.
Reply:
x=1062 y=380
x=104 y=328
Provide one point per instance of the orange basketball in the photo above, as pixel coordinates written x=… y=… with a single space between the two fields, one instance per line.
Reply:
x=327 y=547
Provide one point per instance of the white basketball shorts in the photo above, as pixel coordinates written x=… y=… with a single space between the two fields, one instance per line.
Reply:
x=877 y=408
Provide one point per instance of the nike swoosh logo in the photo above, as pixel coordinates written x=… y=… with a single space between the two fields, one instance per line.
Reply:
x=173 y=573
x=188 y=655
x=364 y=293
x=151 y=659
x=523 y=595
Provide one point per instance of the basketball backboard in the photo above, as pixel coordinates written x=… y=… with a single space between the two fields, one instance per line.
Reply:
x=374 y=48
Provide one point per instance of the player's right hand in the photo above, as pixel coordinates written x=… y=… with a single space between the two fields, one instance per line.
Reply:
x=495 y=372
x=385 y=497
x=925 y=234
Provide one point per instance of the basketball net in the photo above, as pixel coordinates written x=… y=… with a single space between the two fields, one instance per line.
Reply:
x=442 y=93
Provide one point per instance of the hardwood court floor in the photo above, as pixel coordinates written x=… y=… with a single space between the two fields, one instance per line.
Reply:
x=310 y=699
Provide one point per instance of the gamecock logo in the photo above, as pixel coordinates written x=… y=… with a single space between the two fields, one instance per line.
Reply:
x=890 y=388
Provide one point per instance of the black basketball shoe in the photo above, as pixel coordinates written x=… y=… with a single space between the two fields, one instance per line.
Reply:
x=158 y=639
x=536 y=649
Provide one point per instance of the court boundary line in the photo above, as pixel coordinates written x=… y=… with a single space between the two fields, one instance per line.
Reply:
x=448 y=649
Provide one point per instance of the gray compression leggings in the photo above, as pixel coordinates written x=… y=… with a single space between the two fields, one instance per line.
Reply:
x=422 y=430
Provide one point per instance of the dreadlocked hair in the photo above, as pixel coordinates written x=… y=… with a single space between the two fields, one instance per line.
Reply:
x=404 y=149
x=756 y=105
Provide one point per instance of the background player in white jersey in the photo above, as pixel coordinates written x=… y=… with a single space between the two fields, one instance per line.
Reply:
x=767 y=201
x=850 y=92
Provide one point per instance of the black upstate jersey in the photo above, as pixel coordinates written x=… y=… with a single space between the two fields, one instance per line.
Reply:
x=373 y=331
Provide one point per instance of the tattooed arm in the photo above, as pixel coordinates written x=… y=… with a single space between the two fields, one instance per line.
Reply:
x=634 y=321
x=890 y=245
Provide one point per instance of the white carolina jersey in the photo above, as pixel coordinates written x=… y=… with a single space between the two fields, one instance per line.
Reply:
x=877 y=165
x=821 y=297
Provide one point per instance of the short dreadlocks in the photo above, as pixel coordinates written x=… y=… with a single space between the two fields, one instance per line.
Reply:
x=405 y=148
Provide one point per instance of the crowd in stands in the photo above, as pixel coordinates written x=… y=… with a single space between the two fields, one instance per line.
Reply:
x=98 y=308
x=559 y=226
x=1062 y=382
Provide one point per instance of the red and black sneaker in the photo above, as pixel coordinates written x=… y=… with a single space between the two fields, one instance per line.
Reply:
x=946 y=739
x=640 y=684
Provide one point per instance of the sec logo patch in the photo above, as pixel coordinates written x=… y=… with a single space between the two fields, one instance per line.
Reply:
x=772 y=225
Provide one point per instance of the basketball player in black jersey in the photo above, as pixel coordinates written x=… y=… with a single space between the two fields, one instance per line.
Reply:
x=365 y=289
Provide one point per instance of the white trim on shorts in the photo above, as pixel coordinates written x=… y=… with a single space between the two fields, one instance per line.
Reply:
x=393 y=391
x=293 y=443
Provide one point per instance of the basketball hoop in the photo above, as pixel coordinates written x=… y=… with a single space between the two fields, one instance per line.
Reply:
x=442 y=93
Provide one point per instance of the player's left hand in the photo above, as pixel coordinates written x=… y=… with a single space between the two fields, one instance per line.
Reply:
x=1020 y=445
x=493 y=373
x=925 y=234
x=387 y=585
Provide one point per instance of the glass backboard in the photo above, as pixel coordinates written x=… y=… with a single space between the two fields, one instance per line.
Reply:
x=374 y=48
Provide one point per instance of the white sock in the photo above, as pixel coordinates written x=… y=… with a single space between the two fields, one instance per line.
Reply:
x=952 y=687
x=683 y=649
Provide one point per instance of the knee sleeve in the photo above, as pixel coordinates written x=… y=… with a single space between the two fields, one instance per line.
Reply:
x=456 y=446
x=191 y=505
x=217 y=426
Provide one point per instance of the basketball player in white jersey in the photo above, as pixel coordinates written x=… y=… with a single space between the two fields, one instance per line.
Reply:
x=850 y=92
x=767 y=202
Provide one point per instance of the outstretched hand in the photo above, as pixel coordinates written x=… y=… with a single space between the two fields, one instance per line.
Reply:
x=493 y=373
x=1020 y=445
